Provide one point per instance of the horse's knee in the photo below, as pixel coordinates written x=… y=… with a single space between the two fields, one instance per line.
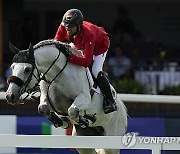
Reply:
x=44 y=110
x=73 y=112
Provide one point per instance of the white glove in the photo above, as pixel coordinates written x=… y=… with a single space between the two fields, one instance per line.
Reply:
x=72 y=45
x=76 y=52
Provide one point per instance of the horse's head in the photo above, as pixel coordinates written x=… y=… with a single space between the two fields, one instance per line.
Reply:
x=22 y=78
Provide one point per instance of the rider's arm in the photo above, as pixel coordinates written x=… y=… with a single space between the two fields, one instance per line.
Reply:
x=86 y=59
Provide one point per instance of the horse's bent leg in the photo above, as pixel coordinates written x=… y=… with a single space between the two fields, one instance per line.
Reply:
x=44 y=110
x=81 y=102
x=77 y=111
x=62 y=122
x=76 y=117
x=43 y=107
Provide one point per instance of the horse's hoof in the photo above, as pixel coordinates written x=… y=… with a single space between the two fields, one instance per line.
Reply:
x=91 y=117
x=44 y=110
x=83 y=122
x=55 y=120
x=73 y=113
x=66 y=122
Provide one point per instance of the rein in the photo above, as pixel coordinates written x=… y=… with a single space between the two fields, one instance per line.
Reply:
x=13 y=79
x=64 y=114
x=43 y=77
x=50 y=82
x=21 y=83
x=67 y=53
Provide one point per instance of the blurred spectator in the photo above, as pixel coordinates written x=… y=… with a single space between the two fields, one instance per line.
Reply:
x=160 y=59
x=137 y=61
x=124 y=29
x=119 y=65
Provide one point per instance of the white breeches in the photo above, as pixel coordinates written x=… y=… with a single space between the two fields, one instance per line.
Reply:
x=97 y=65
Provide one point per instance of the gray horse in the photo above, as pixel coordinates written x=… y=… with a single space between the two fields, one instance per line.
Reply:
x=67 y=93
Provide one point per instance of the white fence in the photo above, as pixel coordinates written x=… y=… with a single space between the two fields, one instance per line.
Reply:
x=137 y=98
x=109 y=142
x=56 y=141
x=141 y=98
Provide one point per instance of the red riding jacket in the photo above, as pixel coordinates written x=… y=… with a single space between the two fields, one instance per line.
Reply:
x=91 y=39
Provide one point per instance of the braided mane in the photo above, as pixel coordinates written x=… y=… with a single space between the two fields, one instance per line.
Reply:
x=59 y=45
x=48 y=42
x=23 y=56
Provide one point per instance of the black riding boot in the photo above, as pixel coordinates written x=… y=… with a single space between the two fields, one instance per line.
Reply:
x=109 y=104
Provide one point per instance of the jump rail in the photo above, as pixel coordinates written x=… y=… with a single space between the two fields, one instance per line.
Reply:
x=138 y=98
x=142 y=98
x=56 y=141
x=111 y=142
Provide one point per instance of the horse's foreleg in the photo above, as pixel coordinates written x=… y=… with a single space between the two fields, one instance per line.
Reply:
x=62 y=122
x=78 y=107
x=45 y=110
x=43 y=107
x=77 y=111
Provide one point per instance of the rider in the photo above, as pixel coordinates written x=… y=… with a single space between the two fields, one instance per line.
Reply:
x=91 y=40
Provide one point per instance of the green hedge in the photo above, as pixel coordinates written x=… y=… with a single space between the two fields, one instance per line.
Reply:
x=129 y=86
x=170 y=90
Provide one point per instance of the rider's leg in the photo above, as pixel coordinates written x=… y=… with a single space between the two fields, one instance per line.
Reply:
x=103 y=82
x=110 y=104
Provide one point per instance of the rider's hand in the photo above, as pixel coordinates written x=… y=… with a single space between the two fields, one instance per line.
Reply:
x=76 y=52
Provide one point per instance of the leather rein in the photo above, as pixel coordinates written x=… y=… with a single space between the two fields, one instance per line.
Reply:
x=21 y=83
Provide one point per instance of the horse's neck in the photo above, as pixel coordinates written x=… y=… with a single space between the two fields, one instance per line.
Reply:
x=45 y=56
x=73 y=76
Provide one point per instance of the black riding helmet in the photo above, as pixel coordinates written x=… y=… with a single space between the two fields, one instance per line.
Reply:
x=72 y=17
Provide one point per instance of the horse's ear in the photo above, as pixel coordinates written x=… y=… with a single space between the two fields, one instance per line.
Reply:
x=31 y=50
x=13 y=49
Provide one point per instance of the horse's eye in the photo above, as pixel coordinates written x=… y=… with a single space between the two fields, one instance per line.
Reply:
x=27 y=70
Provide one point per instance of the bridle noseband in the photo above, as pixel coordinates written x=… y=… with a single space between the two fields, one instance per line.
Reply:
x=16 y=80
x=24 y=59
x=23 y=84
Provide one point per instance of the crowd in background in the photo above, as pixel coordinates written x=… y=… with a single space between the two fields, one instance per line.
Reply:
x=131 y=52
x=128 y=51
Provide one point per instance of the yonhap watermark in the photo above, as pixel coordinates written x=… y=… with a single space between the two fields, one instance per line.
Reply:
x=130 y=139
x=157 y=140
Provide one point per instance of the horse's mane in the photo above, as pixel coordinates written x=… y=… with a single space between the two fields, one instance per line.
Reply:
x=23 y=56
x=48 y=42
x=59 y=45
